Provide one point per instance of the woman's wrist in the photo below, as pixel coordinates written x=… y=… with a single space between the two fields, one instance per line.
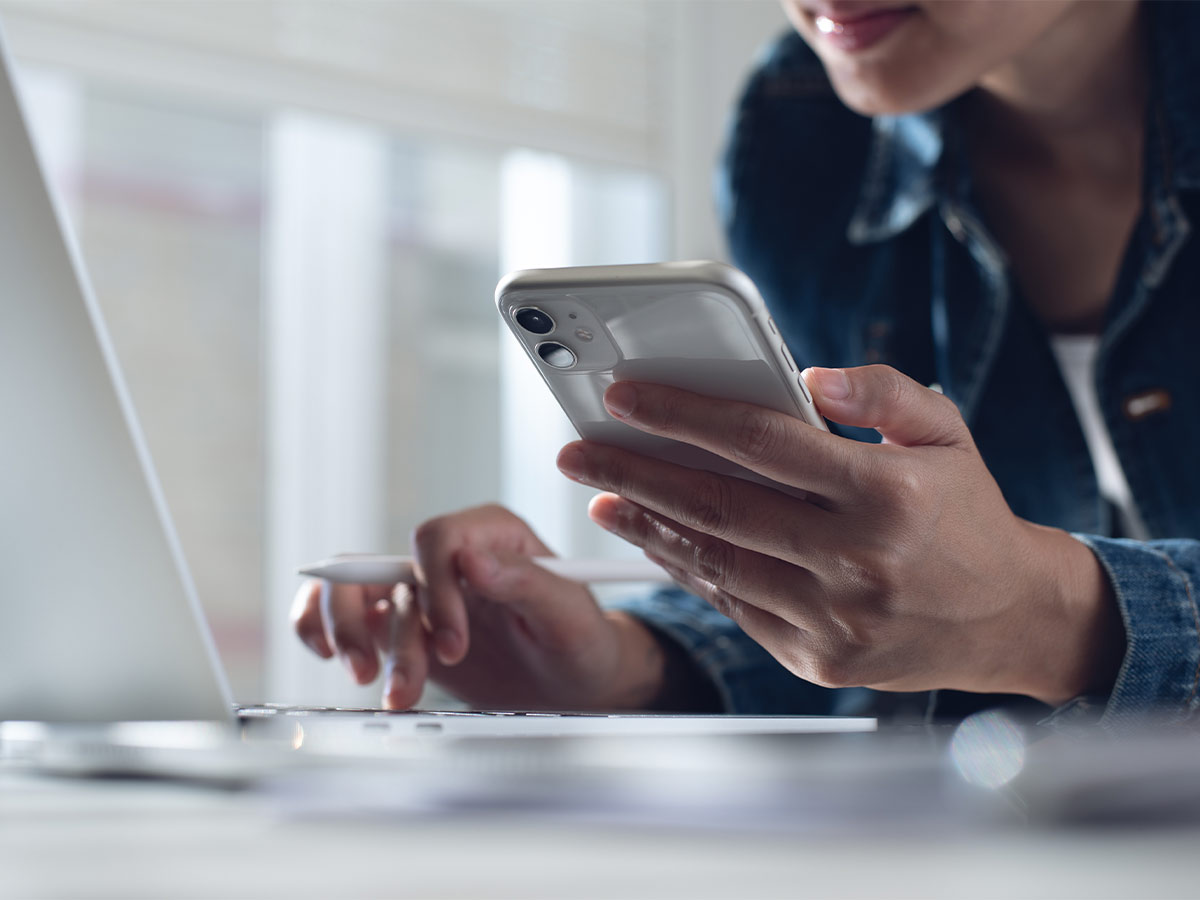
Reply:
x=1079 y=644
x=655 y=673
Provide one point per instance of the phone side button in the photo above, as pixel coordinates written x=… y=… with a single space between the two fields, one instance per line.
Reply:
x=771 y=325
x=787 y=357
x=804 y=388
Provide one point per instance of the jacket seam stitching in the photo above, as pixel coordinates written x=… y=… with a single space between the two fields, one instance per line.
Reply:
x=862 y=222
x=1187 y=589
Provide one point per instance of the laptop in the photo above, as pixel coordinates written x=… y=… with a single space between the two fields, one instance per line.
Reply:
x=91 y=564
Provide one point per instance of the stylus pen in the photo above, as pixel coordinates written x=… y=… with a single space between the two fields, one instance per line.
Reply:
x=368 y=569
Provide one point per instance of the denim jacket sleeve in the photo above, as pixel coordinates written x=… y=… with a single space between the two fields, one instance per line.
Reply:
x=748 y=679
x=1155 y=583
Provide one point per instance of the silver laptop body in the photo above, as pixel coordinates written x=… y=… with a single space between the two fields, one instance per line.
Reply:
x=100 y=620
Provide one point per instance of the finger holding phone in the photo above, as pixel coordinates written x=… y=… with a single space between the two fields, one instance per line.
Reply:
x=897 y=565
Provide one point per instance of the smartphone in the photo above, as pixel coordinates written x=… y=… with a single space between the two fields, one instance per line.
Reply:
x=699 y=326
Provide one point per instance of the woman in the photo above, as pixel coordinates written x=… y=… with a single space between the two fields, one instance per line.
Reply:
x=988 y=197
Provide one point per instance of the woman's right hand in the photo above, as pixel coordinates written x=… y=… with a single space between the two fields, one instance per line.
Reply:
x=485 y=623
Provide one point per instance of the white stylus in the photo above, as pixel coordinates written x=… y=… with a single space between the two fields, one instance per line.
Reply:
x=369 y=569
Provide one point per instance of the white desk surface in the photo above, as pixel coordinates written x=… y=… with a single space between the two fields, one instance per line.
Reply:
x=82 y=838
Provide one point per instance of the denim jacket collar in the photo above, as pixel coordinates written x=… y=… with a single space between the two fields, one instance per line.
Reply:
x=900 y=182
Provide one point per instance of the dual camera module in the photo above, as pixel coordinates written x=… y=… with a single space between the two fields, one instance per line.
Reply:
x=533 y=320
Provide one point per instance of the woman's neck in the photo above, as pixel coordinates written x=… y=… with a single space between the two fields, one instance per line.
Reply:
x=1056 y=141
x=1076 y=99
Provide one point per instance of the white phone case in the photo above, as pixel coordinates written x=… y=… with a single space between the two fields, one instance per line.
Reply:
x=700 y=326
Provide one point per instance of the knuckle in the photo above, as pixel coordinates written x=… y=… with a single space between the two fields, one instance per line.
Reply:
x=499 y=516
x=669 y=413
x=894 y=396
x=522 y=581
x=713 y=561
x=830 y=673
x=889 y=388
x=758 y=437
x=839 y=666
x=865 y=627
x=725 y=603
x=616 y=477
x=709 y=506
x=889 y=566
x=430 y=532
x=857 y=575
x=876 y=583
x=895 y=385
x=901 y=486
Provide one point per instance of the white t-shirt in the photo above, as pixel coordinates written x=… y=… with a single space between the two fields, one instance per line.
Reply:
x=1076 y=355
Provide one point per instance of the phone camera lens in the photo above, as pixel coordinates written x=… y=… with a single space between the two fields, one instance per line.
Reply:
x=534 y=320
x=557 y=355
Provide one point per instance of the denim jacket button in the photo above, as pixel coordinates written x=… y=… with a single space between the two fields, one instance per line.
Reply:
x=1146 y=403
x=956 y=227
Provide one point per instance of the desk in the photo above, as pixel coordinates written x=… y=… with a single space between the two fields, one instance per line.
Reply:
x=95 y=838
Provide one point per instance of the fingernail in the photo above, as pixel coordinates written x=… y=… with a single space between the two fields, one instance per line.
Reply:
x=571 y=463
x=832 y=384
x=445 y=642
x=602 y=510
x=620 y=399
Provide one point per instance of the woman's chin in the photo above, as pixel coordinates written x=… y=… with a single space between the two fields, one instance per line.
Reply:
x=882 y=93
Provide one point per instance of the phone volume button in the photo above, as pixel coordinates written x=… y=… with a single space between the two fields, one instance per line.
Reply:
x=804 y=388
x=787 y=357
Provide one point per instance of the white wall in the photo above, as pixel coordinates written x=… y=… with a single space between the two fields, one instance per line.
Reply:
x=647 y=83
x=714 y=46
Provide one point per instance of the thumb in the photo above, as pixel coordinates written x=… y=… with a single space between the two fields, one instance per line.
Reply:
x=880 y=397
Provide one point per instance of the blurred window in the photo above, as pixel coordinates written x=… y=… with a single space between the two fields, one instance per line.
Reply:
x=302 y=306
x=295 y=212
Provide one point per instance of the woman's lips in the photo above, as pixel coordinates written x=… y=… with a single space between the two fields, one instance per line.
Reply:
x=860 y=31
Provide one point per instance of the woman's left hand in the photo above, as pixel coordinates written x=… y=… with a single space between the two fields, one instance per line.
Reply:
x=901 y=569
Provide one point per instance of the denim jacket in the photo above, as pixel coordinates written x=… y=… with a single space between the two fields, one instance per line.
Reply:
x=866 y=239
